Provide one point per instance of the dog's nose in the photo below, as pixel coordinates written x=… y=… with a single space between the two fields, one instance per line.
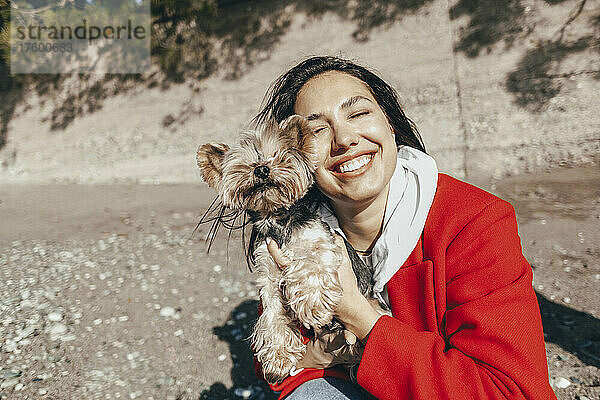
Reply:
x=262 y=172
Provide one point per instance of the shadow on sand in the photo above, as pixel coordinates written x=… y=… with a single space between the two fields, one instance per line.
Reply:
x=575 y=331
x=235 y=331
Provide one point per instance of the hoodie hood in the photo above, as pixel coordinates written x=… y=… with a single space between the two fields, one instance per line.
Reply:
x=412 y=188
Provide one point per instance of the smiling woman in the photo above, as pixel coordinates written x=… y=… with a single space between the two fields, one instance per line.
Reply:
x=446 y=256
x=355 y=143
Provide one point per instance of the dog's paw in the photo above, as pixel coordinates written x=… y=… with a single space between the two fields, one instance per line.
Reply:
x=313 y=305
x=278 y=369
x=278 y=346
x=311 y=287
x=278 y=361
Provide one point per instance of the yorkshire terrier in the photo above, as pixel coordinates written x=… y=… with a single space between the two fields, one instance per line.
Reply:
x=268 y=177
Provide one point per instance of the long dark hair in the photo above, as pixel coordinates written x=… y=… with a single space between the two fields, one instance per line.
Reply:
x=280 y=99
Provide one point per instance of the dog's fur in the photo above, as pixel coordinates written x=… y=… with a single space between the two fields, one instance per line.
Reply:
x=268 y=175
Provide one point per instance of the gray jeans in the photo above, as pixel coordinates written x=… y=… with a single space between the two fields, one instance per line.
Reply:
x=329 y=389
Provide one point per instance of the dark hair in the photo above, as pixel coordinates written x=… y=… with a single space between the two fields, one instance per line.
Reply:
x=280 y=100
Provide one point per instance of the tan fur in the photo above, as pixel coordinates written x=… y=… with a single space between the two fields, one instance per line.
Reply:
x=210 y=158
x=232 y=172
x=308 y=290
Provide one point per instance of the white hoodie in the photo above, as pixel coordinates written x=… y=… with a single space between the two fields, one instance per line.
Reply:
x=412 y=188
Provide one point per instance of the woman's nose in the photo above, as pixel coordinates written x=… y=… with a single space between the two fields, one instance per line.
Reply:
x=344 y=137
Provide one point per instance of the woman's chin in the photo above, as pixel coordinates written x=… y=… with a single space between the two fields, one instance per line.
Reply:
x=361 y=192
x=355 y=189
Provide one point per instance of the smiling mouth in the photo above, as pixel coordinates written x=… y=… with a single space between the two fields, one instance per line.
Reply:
x=354 y=164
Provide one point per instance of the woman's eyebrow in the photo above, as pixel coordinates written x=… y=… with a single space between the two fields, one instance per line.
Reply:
x=353 y=100
x=347 y=103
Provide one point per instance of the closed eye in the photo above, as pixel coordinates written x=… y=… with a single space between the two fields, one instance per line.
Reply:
x=358 y=114
x=319 y=130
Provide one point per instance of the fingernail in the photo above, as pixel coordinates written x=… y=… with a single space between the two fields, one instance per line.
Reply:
x=269 y=240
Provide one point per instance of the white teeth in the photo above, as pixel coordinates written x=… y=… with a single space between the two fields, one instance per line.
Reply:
x=355 y=164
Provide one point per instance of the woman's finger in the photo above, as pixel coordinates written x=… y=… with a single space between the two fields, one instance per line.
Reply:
x=277 y=254
x=315 y=356
x=350 y=337
x=339 y=240
x=327 y=349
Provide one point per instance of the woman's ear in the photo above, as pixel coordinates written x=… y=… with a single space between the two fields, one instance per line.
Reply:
x=210 y=160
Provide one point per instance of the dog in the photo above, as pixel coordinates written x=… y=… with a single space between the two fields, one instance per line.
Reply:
x=268 y=176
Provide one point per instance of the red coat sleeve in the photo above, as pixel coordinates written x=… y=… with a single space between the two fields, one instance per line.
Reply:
x=492 y=347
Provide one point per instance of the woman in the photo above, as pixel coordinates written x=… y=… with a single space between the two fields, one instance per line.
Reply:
x=447 y=256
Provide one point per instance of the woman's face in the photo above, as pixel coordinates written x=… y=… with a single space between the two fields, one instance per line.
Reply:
x=353 y=140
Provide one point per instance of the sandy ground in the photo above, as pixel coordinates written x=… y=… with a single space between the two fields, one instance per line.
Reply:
x=106 y=294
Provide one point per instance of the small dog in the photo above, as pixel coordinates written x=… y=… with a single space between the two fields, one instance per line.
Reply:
x=269 y=176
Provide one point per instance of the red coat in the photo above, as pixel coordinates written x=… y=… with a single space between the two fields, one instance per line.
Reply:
x=466 y=320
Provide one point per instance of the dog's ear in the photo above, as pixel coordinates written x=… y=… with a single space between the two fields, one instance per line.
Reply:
x=210 y=160
x=295 y=127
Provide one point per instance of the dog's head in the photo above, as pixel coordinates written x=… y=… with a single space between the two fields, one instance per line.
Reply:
x=266 y=171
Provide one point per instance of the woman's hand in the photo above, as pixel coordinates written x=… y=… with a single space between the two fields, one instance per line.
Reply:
x=327 y=349
x=354 y=310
